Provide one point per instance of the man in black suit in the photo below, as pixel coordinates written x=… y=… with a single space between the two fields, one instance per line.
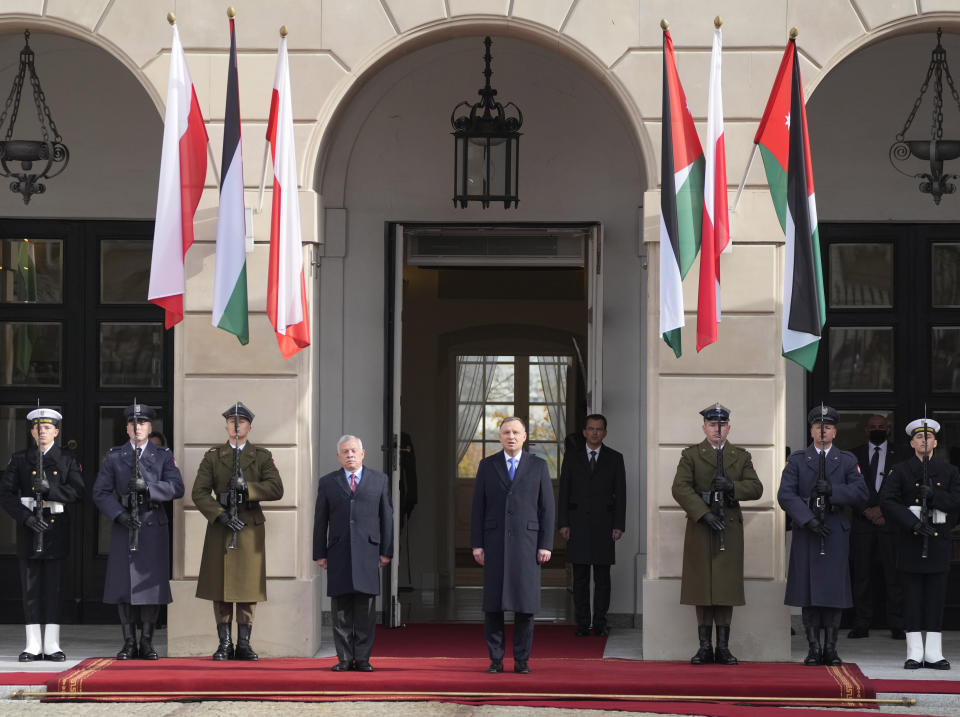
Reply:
x=352 y=540
x=592 y=516
x=872 y=539
x=511 y=531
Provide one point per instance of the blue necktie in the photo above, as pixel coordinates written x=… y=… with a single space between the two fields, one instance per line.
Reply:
x=512 y=466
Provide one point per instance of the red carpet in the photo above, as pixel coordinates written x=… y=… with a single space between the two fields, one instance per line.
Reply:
x=466 y=640
x=24 y=678
x=920 y=687
x=461 y=680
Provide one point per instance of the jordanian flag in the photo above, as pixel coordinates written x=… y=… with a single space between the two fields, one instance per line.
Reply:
x=230 y=276
x=785 y=148
x=681 y=198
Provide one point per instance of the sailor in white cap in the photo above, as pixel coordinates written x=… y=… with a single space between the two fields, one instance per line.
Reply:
x=918 y=496
x=36 y=485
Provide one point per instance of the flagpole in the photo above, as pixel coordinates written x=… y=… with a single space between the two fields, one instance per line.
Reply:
x=266 y=150
x=736 y=200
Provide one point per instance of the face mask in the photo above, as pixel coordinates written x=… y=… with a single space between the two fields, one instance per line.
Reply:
x=878 y=437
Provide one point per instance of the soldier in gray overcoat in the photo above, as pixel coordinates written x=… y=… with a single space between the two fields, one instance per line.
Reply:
x=235 y=577
x=511 y=531
x=138 y=582
x=713 y=578
x=818 y=577
x=352 y=540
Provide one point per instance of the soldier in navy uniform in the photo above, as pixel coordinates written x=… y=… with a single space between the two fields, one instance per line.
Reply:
x=138 y=582
x=59 y=483
x=818 y=577
x=924 y=579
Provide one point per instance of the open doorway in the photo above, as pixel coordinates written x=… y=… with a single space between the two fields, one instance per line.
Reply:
x=488 y=321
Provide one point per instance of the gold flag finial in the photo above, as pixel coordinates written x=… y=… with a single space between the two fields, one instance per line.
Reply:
x=171 y=18
x=717 y=22
x=664 y=24
x=283 y=31
x=231 y=13
x=793 y=33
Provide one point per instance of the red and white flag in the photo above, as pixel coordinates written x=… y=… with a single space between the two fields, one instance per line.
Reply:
x=183 y=169
x=715 y=235
x=286 y=290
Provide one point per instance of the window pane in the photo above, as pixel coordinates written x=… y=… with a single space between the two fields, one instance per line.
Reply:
x=31 y=271
x=945 y=358
x=467 y=468
x=945 y=275
x=124 y=270
x=541 y=429
x=851 y=430
x=131 y=354
x=501 y=385
x=30 y=353
x=861 y=359
x=493 y=414
x=861 y=275
x=550 y=453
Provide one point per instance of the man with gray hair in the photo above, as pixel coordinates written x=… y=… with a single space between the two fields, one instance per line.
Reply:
x=352 y=540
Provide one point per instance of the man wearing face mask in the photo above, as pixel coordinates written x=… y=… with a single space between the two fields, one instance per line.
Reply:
x=872 y=538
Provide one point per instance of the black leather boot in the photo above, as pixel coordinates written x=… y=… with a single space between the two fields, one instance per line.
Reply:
x=704 y=655
x=146 y=643
x=813 y=639
x=225 y=650
x=830 y=656
x=723 y=656
x=244 y=651
x=129 y=649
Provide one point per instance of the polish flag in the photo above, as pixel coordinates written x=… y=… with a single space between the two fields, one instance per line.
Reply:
x=715 y=236
x=286 y=290
x=183 y=168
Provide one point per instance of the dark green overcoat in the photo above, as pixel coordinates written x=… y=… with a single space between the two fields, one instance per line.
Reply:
x=711 y=577
x=235 y=575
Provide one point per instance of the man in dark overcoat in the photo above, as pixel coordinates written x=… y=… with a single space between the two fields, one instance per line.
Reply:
x=235 y=576
x=352 y=540
x=58 y=484
x=138 y=477
x=872 y=538
x=712 y=578
x=511 y=531
x=592 y=516
x=924 y=578
x=818 y=576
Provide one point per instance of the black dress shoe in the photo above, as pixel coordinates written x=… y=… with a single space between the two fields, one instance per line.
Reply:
x=495 y=666
x=912 y=665
x=601 y=631
x=362 y=666
x=582 y=631
x=938 y=665
x=343 y=666
x=521 y=667
x=57 y=656
x=858 y=632
x=30 y=657
x=898 y=634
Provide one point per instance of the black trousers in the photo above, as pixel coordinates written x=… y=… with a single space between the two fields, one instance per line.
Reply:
x=924 y=595
x=522 y=635
x=867 y=549
x=354 y=622
x=40 y=588
x=581 y=594
x=818 y=617
x=137 y=614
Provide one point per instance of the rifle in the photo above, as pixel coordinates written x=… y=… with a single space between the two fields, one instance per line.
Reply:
x=820 y=500
x=233 y=494
x=924 y=508
x=38 y=480
x=137 y=485
x=717 y=499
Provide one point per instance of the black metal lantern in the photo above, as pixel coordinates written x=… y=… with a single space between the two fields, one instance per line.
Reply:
x=52 y=154
x=935 y=150
x=486 y=148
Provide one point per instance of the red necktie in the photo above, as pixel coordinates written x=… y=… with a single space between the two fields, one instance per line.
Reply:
x=353 y=482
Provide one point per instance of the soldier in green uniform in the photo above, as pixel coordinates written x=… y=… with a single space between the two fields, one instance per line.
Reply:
x=713 y=542
x=235 y=575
